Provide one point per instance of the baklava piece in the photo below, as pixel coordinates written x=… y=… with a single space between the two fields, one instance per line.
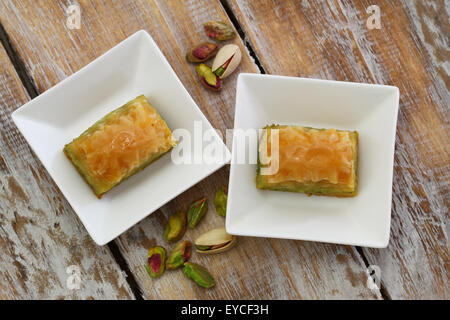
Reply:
x=313 y=161
x=120 y=144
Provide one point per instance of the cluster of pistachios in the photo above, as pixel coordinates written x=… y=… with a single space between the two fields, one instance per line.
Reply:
x=227 y=58
x=213 y=241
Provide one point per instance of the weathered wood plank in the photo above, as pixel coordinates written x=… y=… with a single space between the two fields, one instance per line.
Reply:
x=40 y=237
x=329 y=39
x=256 y=268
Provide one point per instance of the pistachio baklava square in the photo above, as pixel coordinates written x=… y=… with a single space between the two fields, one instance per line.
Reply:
x=120 y=144
x=308 y=160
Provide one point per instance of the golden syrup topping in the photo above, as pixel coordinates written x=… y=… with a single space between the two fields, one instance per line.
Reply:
x=315 y=155
x=124 y=142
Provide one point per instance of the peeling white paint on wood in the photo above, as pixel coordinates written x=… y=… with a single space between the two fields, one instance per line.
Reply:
x=40 y=236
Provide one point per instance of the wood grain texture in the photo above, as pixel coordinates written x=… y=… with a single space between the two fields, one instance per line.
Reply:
x=40 y=237
x=256 y=268
x=330 y=40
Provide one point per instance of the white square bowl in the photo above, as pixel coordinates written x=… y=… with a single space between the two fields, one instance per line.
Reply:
x=135 y=66
x=370 y=109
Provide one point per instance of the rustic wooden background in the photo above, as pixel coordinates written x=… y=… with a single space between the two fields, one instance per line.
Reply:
x=40 y=235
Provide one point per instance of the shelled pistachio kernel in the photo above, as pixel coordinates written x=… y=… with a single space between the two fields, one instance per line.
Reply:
x=180 y=253
x=199 y=274
x=156 y=259
x=208 y=78
x=196 y=212
x=201 y=52
x=220 y=201
x=219 y=30
x=176 y=227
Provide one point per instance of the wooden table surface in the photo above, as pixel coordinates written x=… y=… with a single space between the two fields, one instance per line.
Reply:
x=41 y=236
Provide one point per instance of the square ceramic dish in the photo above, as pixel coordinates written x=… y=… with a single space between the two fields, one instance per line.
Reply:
x=135 y=66
x=369 y=109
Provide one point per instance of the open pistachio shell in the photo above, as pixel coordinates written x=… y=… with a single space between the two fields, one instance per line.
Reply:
x=226 y=60
x=214 y=241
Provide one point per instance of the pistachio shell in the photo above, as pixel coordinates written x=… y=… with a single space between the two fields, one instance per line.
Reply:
x=213 y=237
x=214 y=241
x=227 y=52
x=219 y=249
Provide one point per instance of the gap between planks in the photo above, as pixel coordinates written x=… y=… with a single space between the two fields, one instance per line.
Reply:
x=242 y=35
x=32 y=91
x=18 y=64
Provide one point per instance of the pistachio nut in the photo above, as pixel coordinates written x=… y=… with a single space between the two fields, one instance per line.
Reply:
x=180 y=253
x=220 y=201
x=176 y=227
x=202 y=52
x=196 y=212
x=215 y=241
x=199 y=274
x=208 y=78
x=156 y=259
x=219 y=30
x=226 y=60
